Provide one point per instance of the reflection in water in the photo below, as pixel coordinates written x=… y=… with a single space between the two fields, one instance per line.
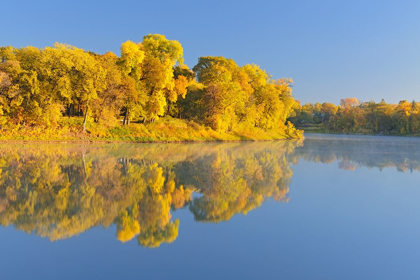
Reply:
x=58 y=191
x=352 y=152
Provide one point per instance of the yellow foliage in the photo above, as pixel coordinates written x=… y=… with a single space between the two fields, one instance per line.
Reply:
x=128 y=228
x=155 y=179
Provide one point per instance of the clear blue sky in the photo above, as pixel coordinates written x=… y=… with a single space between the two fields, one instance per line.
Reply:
x=332 y=49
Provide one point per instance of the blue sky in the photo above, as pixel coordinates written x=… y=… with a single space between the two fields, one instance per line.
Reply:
x=332 y=49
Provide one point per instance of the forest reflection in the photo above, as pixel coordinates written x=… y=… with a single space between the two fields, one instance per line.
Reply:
x=59 y=191
x=351 y=152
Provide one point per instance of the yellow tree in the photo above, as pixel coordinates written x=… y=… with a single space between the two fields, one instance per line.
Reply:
x=132 y=56
x=157 y=78
x=88 y=78
x=183 y=78
x=275 y=103
x=348 y=103
x=73 y=75
x=5 y=84
x=111 y=99
x=226 y=90
x=41 y=105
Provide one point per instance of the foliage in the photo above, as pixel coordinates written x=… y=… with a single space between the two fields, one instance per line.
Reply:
x=148 y=81
x=353 y=116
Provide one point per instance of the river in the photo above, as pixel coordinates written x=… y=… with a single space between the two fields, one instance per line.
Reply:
x=328 y=207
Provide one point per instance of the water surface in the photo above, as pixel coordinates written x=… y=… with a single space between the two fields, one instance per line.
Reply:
x=331 y=207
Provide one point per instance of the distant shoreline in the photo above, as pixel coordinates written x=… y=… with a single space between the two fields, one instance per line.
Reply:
x=357 y=134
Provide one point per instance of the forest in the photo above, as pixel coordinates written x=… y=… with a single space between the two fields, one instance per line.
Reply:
x=354 y=116
x=146 y=93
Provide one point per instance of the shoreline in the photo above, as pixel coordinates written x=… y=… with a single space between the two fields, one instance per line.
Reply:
x=100 y=141
x=360 y=134
x=165 y=130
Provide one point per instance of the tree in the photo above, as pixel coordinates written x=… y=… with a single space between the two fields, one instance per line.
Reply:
x=157 y=78
x=132 y=56
x=108 y=106
x=226 y=91
x=348 y=103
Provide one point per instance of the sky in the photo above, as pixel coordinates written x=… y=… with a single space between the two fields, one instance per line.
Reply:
x=331 y=49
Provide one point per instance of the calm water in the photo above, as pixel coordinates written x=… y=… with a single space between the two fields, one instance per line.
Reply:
x=332 y=207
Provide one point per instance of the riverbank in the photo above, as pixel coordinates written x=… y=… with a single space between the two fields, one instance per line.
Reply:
x=163 y=130
x=321 y=129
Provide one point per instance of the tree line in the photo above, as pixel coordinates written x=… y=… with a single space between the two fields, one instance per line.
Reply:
x=354 y=116
x=147 y=81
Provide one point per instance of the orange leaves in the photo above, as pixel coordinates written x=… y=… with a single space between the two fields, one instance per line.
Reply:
x=348 y=103
x=180 y=87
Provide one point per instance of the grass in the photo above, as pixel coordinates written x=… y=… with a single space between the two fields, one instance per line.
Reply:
x=166 y=129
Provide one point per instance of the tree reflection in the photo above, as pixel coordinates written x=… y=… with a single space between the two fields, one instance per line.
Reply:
x=58 y=191
x=355 y=152
x=237 y=183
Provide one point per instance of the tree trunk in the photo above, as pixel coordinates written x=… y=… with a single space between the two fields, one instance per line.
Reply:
x=84 y=165
x=168 y=104
x=125 y=121
x=86 y=114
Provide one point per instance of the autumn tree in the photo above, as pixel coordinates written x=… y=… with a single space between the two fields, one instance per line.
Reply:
x=132 y=56
x=157 y=76
x=226 y=91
